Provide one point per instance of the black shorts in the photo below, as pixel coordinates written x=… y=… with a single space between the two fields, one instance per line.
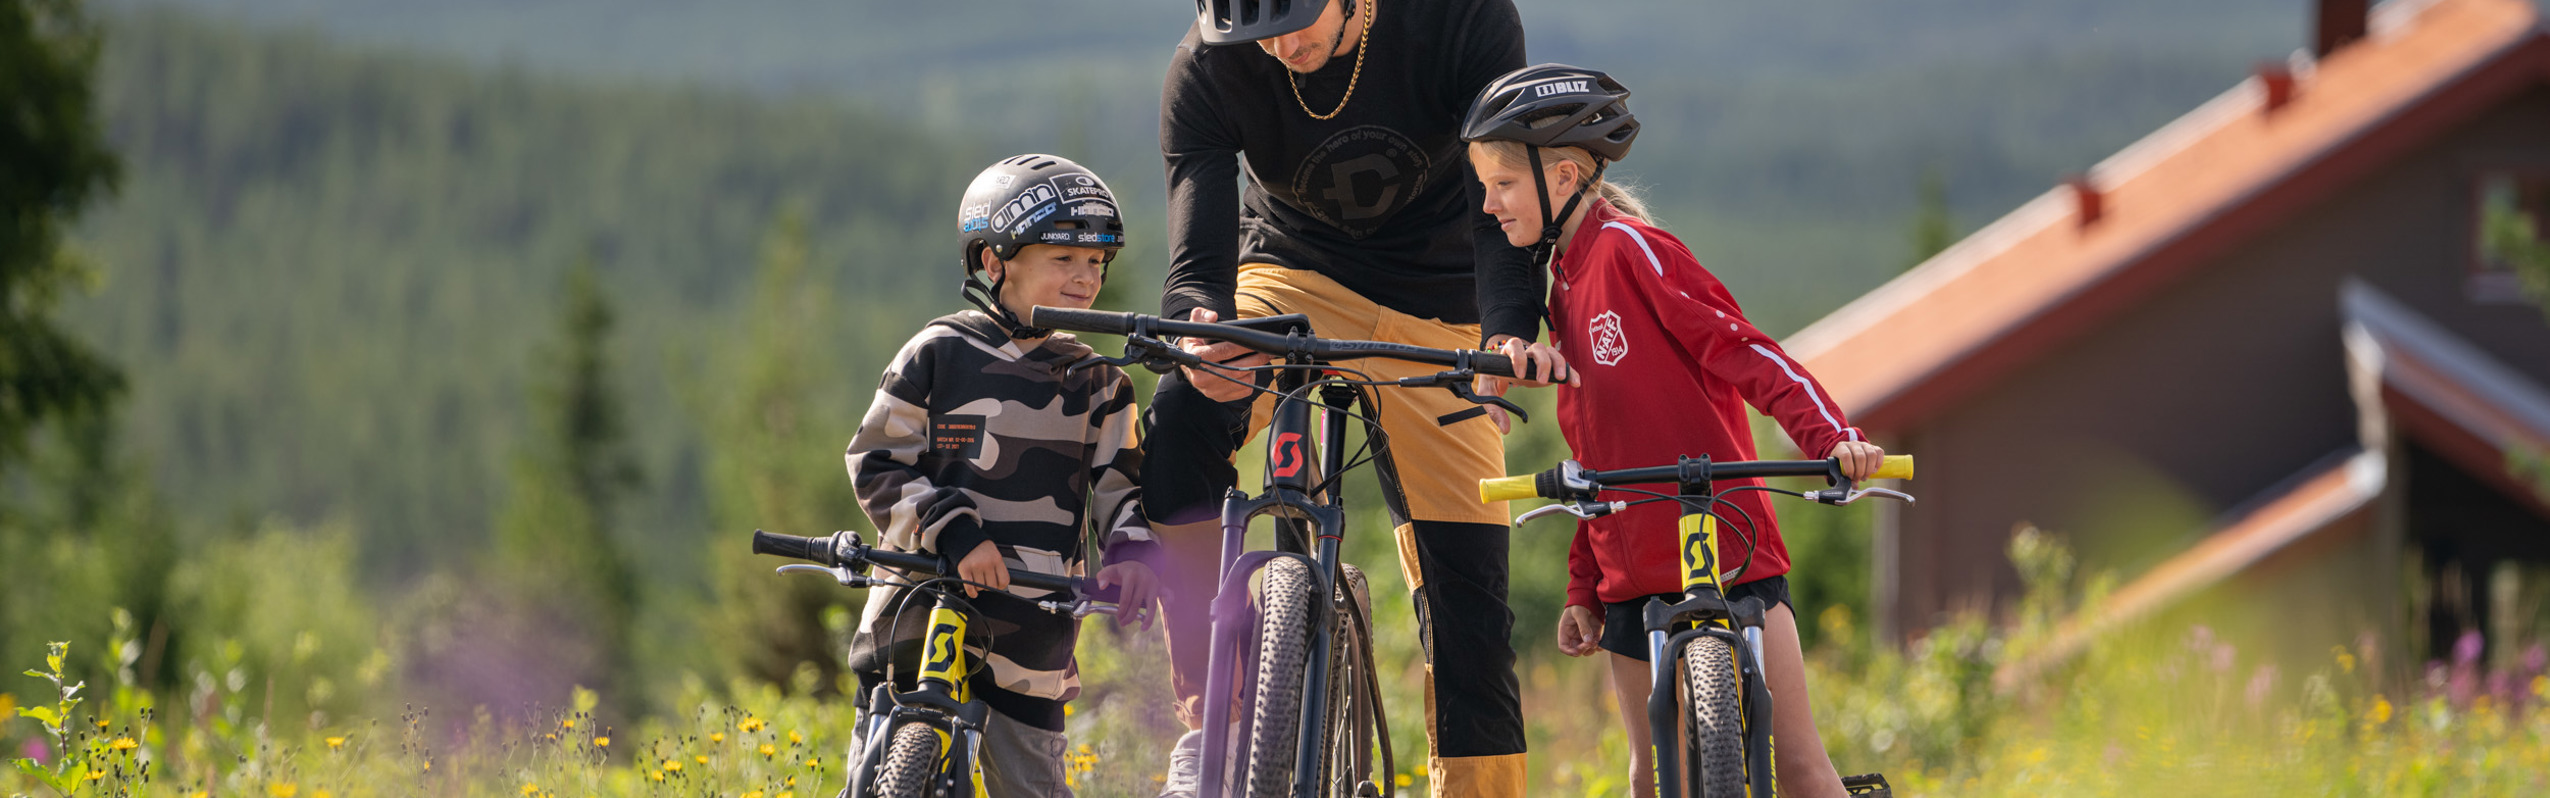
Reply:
x=1625 y=631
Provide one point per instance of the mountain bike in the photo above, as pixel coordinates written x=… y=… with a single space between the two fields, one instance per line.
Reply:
x=1705 y=652
x=927 y=741
x=1294 y=618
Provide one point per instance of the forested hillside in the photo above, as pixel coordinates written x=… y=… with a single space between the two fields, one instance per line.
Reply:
x=327 y=273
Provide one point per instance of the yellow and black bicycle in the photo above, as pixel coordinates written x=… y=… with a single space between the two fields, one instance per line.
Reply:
x=926 y=741
x=1706 y=652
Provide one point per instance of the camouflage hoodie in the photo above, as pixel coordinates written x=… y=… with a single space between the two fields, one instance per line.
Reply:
x=972 y=439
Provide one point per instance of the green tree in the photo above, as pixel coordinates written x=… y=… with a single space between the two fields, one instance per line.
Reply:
x=1934 y=228
x=557 y=541
x=54 y=162
x=782 y=415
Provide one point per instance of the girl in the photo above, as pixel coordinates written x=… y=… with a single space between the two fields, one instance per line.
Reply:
x=1665 y=364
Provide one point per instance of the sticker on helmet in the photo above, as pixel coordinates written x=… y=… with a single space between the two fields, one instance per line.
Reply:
x=1026 y=202
x=1557 y=87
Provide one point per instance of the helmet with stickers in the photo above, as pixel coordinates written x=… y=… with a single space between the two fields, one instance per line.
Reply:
x=1031 y=199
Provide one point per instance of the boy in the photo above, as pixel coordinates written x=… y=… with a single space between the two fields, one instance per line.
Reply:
x=984 y=446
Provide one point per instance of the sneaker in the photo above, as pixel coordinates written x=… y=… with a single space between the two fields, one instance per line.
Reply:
x=1186 y=767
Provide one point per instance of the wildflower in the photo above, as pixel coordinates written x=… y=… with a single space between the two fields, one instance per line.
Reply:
x=2541 y=687
x=529 y=788
x=659 y=777
x=601 y=742
x=768 y=750
x=321 y=794
x=2381 y=710
x=793 y=739
x=1402 y=780
x=702 y=760
x=815 y=763
x=568 y=724
x=123 y=744
x=786 y=794
x=335 y=743
x=753 y=794
x=717 y=737
x=2345 y=659
x=551 y=737
x=749 y=724
x=96 y=774
x=284 y=790
x=101 y=725
x=672 y=766
x=1067 y=711
x=200 y=794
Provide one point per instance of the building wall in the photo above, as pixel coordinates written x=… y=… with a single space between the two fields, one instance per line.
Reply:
x=2132 y=439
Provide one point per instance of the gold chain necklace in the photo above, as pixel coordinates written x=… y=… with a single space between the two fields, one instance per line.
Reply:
x=1369 y=8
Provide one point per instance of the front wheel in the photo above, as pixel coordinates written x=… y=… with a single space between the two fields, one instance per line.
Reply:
x=911 y=762
x=1283 y=656
x=1711 y=694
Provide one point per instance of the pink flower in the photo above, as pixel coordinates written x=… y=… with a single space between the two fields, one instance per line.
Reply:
x=35 y=750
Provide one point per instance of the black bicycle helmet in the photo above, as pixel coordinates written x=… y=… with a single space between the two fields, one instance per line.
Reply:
x=1555 y=105
x=1241 y=21
x=1031 y=199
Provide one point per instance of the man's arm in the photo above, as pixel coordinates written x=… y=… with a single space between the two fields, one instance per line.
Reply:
x=1511 y=292
x=1204 y=205
x=911 y=512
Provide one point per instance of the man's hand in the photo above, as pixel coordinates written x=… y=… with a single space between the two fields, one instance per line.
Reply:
x=1139 y=585
x=983 y=566
x=1580 y=631
x=1217 y=383
x=1859 y=458
x=1538 y=359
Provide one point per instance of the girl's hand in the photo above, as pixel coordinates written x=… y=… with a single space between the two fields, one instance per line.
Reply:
x=983 y=566
x=1859 y=458
x=1140 y=587
x=1539 y=359
x=1579 y=630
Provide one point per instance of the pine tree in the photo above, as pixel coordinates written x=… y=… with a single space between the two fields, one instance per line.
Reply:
x=54 y=162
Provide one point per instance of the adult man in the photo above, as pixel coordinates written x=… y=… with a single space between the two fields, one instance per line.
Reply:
x=1360 y=211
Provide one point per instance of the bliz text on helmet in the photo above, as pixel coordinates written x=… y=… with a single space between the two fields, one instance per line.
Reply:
x=1028 y=200
x=1547 y=89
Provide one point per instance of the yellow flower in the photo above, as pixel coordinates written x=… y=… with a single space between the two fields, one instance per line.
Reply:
x=717 y=737
x=785 y=795
x=96 y=774
x=321 y=794
x=657 y=776
x=2381 y=710
x=123 y=744
x=551 y=737
x=199 y=794
x=335 y=743
x=672 y=766
x=793 y=739
x=815 y=763
x=601 y=742
x=529 y=788
x=1401 y=780
x=749 y=724
x=569 y=723
x=702 y=760
x=753 y=794
x=101 y=725
x=792 y=781
x=768 y=750
x=285 y=790
x=2541 y=686
x=2345 y=659
x=1067 y=710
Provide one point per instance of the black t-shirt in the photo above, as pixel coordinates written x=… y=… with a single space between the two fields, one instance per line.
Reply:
x=1380 y=198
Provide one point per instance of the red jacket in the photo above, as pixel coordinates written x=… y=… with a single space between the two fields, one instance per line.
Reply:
x=1668 y=363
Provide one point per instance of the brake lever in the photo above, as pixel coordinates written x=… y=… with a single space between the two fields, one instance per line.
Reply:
x=841 y=575
x=1084 y=608
x=1585 y=510
x=1841 y=496
x=1459 y=384
x=1156 y=355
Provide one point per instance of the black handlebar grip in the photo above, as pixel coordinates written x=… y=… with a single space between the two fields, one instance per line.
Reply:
x=1096 y=321
x=1495 y=365
x=1090 y=588
x=818 y=550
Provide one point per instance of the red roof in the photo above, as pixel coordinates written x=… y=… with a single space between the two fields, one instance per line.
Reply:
x=2042 y=275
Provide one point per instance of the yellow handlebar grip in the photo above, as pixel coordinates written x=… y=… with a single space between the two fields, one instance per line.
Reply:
x=1507 y=489
x=1896 y=466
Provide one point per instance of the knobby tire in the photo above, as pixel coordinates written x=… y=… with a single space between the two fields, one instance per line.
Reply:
x=1712 y=694
x=911 y=762
x=1284 y=631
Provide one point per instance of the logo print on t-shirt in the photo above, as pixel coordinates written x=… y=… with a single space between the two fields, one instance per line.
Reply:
x=958 y=435
x=1610 y=345
x=1359 y=178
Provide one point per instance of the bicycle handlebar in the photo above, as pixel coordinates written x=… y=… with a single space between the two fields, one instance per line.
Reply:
x=1271 y=343
x=845 y=551
x=1552 y=484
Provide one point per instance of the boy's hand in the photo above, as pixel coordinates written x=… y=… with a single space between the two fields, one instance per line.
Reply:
x=1859 y=458
x=1579 y=630
x=1539 y=359
x=1211 y=381
x=983 y=566
x=1139 y=585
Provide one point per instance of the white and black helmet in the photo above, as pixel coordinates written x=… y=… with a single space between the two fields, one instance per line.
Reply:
x=1031 y=199
x=1239 y=21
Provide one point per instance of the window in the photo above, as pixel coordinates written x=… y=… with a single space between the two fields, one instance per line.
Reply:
x=2512 y=238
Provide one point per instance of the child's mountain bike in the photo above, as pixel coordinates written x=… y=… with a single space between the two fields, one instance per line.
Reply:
x=925 y=742
x=1292 y=636
x=1706 y=653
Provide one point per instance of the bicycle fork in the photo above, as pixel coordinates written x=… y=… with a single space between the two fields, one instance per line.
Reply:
x=1704 y=611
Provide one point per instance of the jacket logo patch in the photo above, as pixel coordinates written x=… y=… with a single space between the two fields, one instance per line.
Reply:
x=1610 y=344
x=957 y=435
